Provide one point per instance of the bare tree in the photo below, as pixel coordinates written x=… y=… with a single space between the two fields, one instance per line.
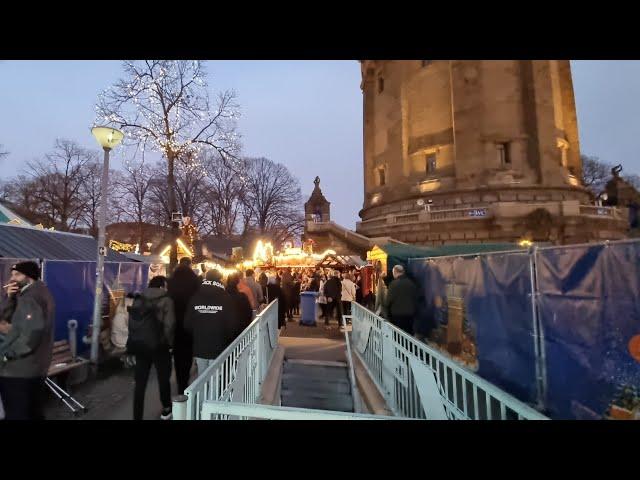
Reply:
x=595 y=173
x=164 y=104
x=634 y=180
x=223 y=197
x=3 y=152
x=91 y=197
x=133 y=190
x=274 y=197
x=57 y=183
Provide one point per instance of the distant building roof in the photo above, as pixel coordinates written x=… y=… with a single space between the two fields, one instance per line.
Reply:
x=7 y=216
x=18 y=241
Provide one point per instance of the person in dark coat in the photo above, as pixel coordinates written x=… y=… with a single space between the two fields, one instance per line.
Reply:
x=297 y=286
x=183 y=284
x=287 y=290
x=275 y=292
x=333 y=292
x=263 y=280
x=244 y=312
x=27 y=326
x=156 y=294
x=401 y=301
x=210 y=318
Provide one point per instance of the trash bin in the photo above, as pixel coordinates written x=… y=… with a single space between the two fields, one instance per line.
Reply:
x=308 y=307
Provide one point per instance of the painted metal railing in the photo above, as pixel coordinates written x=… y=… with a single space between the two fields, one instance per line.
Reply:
x=212 y=410
x=417 y=381
x=237 y=374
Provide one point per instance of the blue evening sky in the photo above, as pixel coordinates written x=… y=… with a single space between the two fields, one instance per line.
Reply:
x=304 y=114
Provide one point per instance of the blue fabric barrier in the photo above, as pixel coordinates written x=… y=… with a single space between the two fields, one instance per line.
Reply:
x=589 y=309
x=498 y=315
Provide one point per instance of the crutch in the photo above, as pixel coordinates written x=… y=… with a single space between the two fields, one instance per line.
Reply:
x=64 y=396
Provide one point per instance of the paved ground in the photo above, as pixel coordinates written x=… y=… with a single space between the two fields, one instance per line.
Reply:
x=314 y=343
x=110 y=396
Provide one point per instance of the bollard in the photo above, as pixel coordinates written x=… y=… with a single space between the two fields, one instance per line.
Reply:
x=72 y=325
x=179 y=407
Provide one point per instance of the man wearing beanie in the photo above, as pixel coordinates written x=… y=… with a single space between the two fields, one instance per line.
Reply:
x=26 y=321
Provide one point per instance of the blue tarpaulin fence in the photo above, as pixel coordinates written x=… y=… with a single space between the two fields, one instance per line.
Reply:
x=569 y=351
x=72 y=284
x=498 y=318
x=589 y=310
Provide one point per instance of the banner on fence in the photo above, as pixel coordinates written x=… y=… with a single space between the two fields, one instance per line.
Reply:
x=589 y=310
x=479 y=310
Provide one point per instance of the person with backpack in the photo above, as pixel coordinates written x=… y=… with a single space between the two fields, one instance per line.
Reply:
x=183 y=284
x=151 y=329
x=210 y=319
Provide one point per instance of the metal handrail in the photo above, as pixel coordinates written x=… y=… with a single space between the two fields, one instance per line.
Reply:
x=231 y=411
x=238 y=372
x=403 y=367
x=357 y=406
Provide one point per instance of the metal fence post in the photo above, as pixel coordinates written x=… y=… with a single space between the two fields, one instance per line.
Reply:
x=388 y=367
x=259 y=354
x=179 y=407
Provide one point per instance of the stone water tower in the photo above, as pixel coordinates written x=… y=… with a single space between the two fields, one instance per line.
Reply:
x=475 y=151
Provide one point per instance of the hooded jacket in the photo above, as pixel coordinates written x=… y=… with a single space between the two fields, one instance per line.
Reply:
x=165 y=311
x=182 y=285
x=28 y=347
x=210 y=319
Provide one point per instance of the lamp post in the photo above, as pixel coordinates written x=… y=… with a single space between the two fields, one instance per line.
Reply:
x=108 y=138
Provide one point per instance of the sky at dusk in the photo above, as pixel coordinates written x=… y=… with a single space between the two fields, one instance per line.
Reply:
x=306 y=115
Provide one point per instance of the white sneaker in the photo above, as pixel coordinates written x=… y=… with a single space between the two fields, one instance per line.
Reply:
x=166 y=416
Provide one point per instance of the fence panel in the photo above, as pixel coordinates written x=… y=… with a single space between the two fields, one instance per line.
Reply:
x=400 y=370
x=479 y=311
x=589 y=309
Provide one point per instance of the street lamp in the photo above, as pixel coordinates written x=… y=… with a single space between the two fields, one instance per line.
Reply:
x=108 y=138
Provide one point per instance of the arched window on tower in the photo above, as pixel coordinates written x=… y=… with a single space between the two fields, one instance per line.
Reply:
x=380 y=84
x=382 y=180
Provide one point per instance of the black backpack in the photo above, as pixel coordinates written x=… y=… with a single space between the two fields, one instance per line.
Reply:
x=146 y=333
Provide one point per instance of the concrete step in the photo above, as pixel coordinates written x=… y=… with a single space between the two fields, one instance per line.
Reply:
x=341 y=403
x=338 y=388
x=320 y=373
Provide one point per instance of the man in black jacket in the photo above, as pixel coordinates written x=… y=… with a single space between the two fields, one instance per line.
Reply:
x=333 y=292
x=26 y=322
x=210 y=319
x=182 y=285
x=402 y=300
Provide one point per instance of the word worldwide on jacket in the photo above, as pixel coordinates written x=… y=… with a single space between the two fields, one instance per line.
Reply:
x=208 y=308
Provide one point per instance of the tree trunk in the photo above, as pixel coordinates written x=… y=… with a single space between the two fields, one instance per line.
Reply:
x=175 y=231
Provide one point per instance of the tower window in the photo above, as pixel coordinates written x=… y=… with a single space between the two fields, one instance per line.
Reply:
x=504 y=155
x=431 y=163
x=563 y=145
x=380 y=84
x=381 y=177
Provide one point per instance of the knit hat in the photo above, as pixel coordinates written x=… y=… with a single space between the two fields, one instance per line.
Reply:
x=30 y=269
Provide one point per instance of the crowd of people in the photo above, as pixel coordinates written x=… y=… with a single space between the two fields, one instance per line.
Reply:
x=179 y=320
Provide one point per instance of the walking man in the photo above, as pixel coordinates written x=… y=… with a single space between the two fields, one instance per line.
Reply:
x=151 y=334
x=333 y=292
x=402 y=300
x=26 y=322
x=211 y=320
x=182 y=285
